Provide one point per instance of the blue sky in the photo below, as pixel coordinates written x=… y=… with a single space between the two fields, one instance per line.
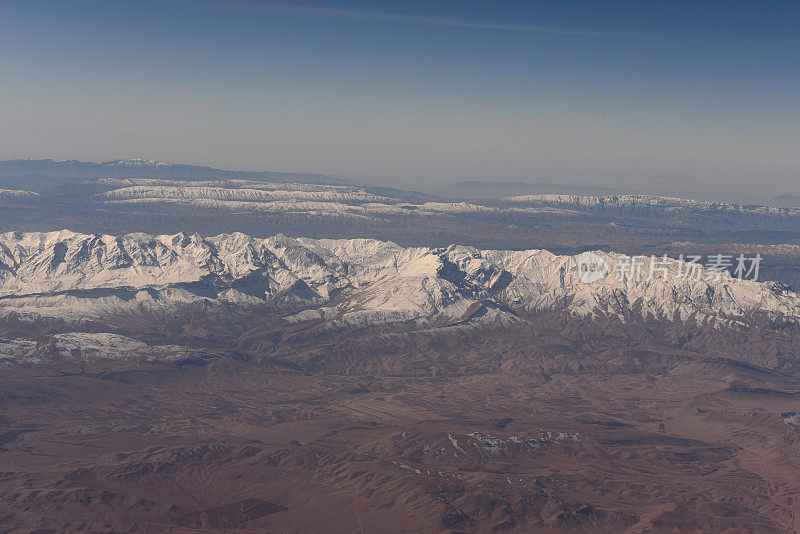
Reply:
x=670 y=96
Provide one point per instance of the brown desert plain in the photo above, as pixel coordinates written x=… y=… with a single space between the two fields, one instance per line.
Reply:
x=563 y=425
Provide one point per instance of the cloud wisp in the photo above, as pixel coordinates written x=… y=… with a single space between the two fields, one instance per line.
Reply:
x=450 y=22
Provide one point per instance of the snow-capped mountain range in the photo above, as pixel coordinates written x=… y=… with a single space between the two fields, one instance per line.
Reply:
x=259 y=194
x=354 y=281
x=633 y=202
x=247 y=195
x=324 y=199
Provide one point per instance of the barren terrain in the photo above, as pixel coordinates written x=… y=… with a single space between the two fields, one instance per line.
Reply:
x=566 y=425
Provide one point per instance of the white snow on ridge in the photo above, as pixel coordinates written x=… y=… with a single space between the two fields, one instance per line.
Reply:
x=645 y=201
x=258 y=195
x=357 y=281
x=83 y=345
x=135 y=162
x=352 y=201
x=280 y=206
x=320 y=208
x=79 y=347
x=232 y=183
x=788 y=250
x=17 y=194
x=249 y=195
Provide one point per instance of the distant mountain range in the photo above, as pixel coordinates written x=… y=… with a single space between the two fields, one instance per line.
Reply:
x=42 y=172
x=487 y=189
x=141 y=168
x=475 y=189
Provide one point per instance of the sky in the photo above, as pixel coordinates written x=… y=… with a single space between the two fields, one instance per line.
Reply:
x=667 y=96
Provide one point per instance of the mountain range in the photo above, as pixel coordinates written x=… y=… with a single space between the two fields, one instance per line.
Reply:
x=359 y=281
x=142 y=168
x=431 y=359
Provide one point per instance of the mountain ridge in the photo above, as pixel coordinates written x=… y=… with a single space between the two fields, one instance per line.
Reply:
x=359 y=281
x=141 y=168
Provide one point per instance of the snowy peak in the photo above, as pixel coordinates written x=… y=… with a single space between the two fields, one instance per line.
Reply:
x=134 y=162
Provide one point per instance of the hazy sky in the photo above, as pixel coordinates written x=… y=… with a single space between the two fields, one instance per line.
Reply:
x=653 y=95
